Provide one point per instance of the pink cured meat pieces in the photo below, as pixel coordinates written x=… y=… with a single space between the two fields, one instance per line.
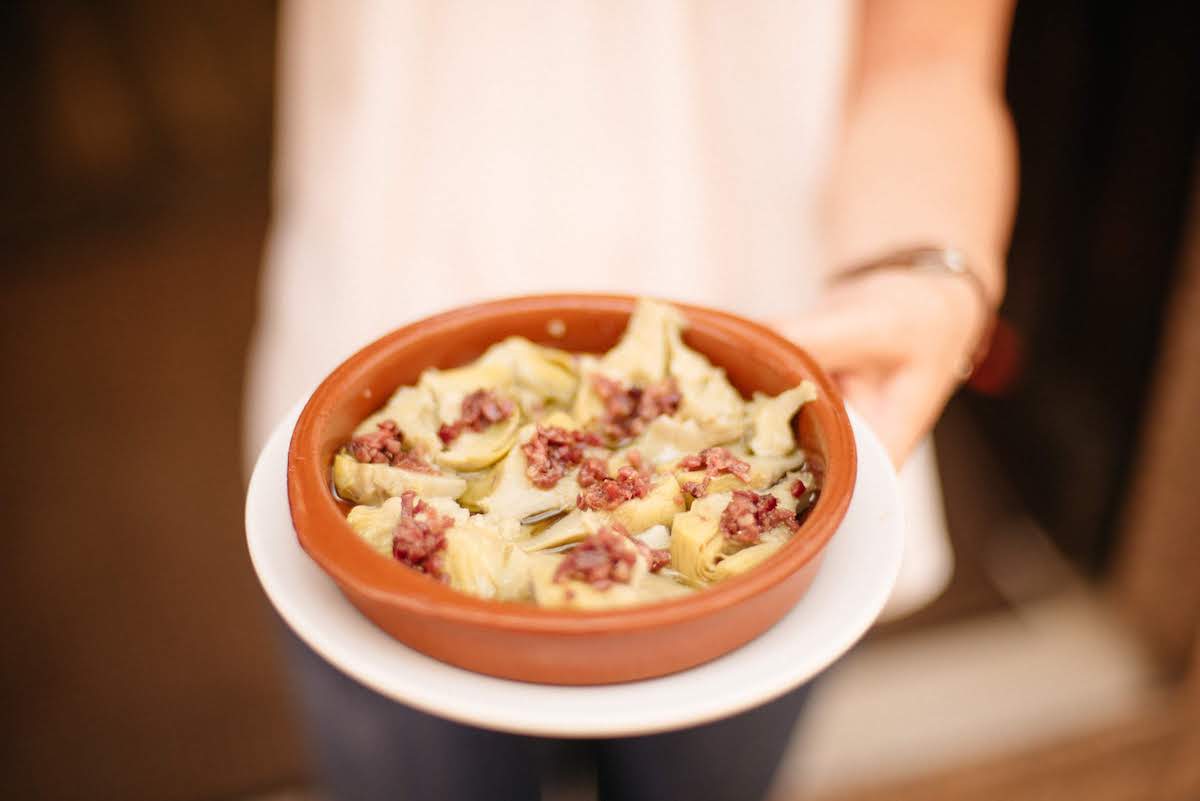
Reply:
x=386 y=446
x=551 y=452
x=605 y=493
x=602 y=559
x=627 y=410
x=480 y=409
x=714 y=462
x=607 y=557
x=592 y=471
x=419 y=539
x=750 y=515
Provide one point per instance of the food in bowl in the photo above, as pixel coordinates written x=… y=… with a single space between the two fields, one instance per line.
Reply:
x=581 y=481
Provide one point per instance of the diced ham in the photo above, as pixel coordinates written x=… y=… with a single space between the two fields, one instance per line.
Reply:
x=386 y=446
x=419 y=539
x=378 y=447
x=552 y=451
x=749 y=515
x=627 y=410
x=602 y=559
x=637 y=462
x=480 y=409
x=609 y=493
x=592 y=471
x=714 y=462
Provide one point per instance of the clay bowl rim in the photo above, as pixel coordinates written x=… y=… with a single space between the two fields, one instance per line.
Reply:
x=324 y=534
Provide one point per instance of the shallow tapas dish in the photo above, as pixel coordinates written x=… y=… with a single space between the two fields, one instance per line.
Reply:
x=554 y=646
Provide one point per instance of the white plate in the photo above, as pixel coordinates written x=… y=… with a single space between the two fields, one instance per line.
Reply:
x=860 y=566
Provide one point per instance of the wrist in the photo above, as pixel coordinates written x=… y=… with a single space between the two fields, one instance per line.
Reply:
x=944 y=259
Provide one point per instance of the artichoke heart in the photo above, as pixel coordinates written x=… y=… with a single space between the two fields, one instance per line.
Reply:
x=765 y=471
x=376 y=524
x=641 y=355
x=575 y=594
x=475 y=450
x=725 y=482
x=412 y=410
x=480 y=562
x=449 y=387
x=643 y=587
x=659 y=507
x=747 y=558
x=697 y=544
x=374 y=483
x=479 y=484
x=587 y=406
x=504 y=527
x=668 y=439
x=540 y=374
x=515 y=496
x=782 y=489
x=702 y=553
x=770 y=419
x=708 y=397
x=573 y=527
x=559 y=419
x=636 y=515
x=656 y=537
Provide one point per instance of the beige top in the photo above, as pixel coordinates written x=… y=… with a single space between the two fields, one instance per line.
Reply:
x=433 y=154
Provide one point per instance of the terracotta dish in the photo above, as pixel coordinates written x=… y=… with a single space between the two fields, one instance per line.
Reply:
x=558 y=646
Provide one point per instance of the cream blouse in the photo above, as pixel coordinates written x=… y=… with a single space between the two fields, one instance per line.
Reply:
x=432 y=154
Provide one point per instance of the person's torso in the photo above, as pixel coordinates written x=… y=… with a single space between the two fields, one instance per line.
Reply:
x=436 y=154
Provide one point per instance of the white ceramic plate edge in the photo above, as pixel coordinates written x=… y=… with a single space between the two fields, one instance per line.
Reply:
x=859 y=569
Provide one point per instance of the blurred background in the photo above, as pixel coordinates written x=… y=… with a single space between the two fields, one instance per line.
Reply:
x=139 y=658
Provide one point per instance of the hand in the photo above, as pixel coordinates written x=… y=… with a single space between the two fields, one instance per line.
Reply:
x=896 y=342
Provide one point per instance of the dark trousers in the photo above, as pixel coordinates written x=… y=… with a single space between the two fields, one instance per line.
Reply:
x=369 y=748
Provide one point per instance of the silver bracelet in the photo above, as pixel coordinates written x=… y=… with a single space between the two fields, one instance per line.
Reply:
x=934 y=259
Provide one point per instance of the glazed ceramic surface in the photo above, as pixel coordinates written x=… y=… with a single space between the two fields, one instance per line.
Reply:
x=524 y=642
x=859 y=567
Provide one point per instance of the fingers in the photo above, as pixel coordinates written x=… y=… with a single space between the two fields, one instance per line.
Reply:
x=848 y=330
x=901 y=408
x=912 y=406
x=890 y=422
x=900 y=405
x=894 y=344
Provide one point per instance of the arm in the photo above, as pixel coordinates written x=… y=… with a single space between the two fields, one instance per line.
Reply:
x=927 y=157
